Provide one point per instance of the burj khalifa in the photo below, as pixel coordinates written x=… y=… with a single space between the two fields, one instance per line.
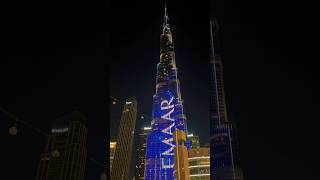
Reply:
x=167 y=112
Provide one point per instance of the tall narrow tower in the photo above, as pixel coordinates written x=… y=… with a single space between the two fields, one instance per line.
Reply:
x=123 y=152
x=167 y=112
x=224 y=159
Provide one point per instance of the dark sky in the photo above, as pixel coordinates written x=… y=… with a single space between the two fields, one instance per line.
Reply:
x=53 y=62
x=57 y=54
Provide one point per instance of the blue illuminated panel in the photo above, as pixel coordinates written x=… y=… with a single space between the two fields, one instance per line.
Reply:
x=167 y=115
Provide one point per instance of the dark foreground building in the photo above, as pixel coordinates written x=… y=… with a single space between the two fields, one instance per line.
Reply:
x=123 y=152
x=65 y=154
x=224 y=158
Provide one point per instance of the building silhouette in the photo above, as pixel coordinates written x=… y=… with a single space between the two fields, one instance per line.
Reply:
x=113 y=146
x=65 y=154
x=199 y=163
x=223 y=140
x=141 y=152
x=167 y=112
x=123 y=152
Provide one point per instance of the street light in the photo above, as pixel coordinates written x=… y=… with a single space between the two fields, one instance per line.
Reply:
x=13 y=130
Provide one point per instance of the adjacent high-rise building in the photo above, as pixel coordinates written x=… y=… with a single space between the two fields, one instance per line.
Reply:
x=113 y=146
x=223 y=140
x=167 y=112
x=181 y=162
x=194 y=140
x=123 y=152
x=199 y=163
x=141 y=152
x=65 y=154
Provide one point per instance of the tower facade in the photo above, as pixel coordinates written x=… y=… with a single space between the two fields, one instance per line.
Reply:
x=141 y=152
x=65 y=154
x=199 y=163
x=194 y=140
x=123 y=152
x=224 y=159
x=167 y=112
x=113 y=146
x=181 y=162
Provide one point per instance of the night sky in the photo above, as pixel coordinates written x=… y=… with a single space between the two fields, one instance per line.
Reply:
x=136 y=42
x=61 y=56
x=54 y=61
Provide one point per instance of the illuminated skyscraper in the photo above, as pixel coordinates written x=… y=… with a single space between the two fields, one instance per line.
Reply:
x=194 y=140
x=122 y=156
x=181 y=162
x=141 y=152
x=199 y=163
x=167 y=112
x=223 y=140
x=66 y=151
x=113 y=146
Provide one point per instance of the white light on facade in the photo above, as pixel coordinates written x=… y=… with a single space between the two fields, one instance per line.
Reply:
x=190 y=135
x=60 y=130
x=197 y=166
x=203 y=157
x=198 y=175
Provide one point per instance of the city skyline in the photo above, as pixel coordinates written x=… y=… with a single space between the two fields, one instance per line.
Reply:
x=143 y=91
x=72 y=55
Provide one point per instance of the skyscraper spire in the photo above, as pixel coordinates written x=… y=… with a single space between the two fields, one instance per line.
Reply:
x=214 y=33
x=166 y=18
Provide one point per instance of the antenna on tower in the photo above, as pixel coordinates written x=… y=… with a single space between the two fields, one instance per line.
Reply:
x=211 y=37
x=166 y=18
